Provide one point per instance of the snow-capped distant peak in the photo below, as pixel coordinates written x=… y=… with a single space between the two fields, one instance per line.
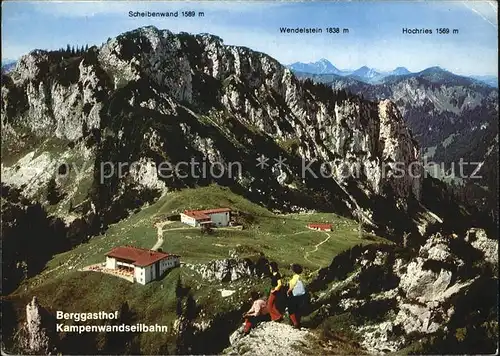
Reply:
x=322 y=66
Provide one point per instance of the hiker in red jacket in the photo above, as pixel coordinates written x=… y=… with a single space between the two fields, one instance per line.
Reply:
x=275 y=295
x=257 y=313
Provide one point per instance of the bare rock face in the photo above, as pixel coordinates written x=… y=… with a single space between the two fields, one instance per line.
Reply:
x=37 y=340
x=61 y=108
x=399 y=150
x=480 y=241
x=151 y=52
x=144 y=173
x=424 y=284
x=227 y=270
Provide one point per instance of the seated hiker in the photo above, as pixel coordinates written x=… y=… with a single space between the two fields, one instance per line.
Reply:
x=275 y=295
x=297 y=296
x=257 y=313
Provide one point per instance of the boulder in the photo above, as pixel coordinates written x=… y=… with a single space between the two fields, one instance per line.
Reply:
x=270 y=338
x=227 y=270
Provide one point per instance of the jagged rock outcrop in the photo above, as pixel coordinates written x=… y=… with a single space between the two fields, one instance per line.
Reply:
x=480 y=241
x=227 y=270
x=37 y=339
x=399 y=296
x=424 y=284
x=145 y=173
x=59 y=97
x=397 y=147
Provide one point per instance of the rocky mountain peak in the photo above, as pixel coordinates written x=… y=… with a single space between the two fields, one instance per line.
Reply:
x=33 y=65
x=244 y=97
x=400 y=71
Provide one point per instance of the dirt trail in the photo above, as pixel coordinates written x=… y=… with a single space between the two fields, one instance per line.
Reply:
x=159 y=226
x=159 y=229
x=300 y=232
x=316 y=247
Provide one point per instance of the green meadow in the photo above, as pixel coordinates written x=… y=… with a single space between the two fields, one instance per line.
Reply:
x=283 y=238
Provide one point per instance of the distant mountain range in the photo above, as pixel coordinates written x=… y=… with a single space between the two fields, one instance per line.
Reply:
x=366 y=74
x=323 y=66
x=491 y=80
x=8 y=65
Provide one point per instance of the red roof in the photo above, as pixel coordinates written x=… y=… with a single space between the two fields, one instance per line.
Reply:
x=215 y=210
x=138 y=256
x=197 y=215
x=320 y=226
x=205 y=214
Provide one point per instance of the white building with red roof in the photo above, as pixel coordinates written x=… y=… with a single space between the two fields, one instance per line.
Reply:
x=214 y=217
x=320 y=227
x=145 y=265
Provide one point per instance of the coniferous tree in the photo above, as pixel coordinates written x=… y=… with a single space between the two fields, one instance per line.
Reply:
x=178 y=307
x=178 y=288
x=53 y=195
x=190 y=312
x=123 y=343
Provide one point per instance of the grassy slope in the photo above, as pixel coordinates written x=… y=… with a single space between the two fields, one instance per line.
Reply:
x=283 y=238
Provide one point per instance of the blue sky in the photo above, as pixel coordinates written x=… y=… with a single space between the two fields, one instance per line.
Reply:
x=375 y=38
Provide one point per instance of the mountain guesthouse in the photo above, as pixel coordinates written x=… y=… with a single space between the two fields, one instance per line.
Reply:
x=320 y=227
x=142 y=265
x=212 y=217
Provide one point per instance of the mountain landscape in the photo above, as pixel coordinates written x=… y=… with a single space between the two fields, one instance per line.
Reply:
x=452 y=117
x=408 y=266
x=491 y=80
